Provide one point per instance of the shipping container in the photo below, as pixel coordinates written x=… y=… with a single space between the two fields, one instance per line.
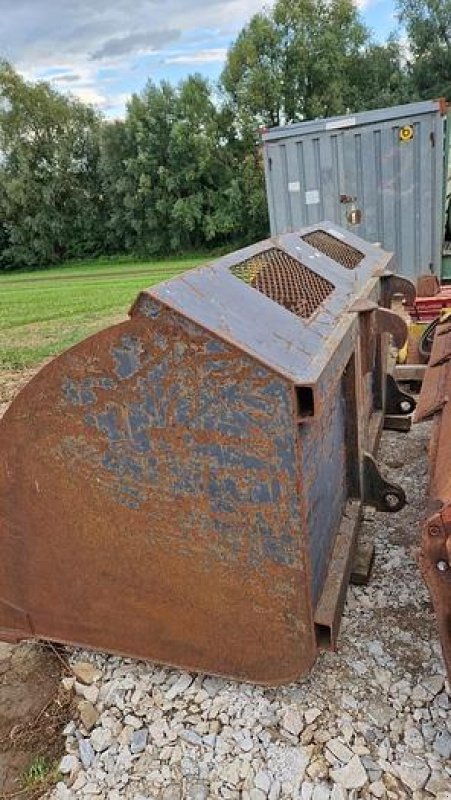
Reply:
x=379 y=173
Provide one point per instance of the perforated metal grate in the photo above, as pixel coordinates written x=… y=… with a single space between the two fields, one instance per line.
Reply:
x=285 y=280
x=341 y=252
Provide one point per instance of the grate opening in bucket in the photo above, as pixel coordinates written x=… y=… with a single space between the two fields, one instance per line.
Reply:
x=341 y=252
x=285 y=280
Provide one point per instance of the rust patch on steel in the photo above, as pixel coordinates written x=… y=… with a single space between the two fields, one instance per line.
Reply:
x=148 y=486
x=435 y=550
x=172 y=487
x=435 y=563
x=436 y=385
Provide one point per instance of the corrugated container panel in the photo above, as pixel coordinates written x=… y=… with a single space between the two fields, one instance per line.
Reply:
x=396 y=184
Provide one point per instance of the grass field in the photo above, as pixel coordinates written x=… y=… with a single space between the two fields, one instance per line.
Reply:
x=44 y=312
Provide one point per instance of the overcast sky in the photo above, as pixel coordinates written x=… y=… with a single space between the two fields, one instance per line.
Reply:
x=103 y=50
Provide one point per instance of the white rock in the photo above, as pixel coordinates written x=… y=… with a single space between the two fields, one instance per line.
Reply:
x=101 y=739
x=173 y=792
x=191 y=737
x=293 y=720
x=213 y=686
x=263 y=781
x=158 y=732
x=243 y=740
x=339 y=750
x=338 y=793
x=311 y=715
x=377 y=789
x=288 y=764
x=61 y=792
x=138 y=741
x=90 y=693
x=321 y=792
x=414 y=772
x=442 y=745
x=274 y=792
x=307 y=790
x=69 y=765
x=351 y=776
x=87 y=754
x=257 y=794
x=197 y=791
x=133 y=722
x=188 y=766
x=433 y=684
x=180 y=686
x=380 y=713
x=86 y=673
x=414 y=740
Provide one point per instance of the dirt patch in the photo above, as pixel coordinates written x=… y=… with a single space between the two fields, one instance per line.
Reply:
x=33 y=706
x=34 y=709
x=11 y=382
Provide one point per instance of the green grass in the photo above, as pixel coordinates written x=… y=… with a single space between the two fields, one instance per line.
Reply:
x=44 y=312
x=41 y=773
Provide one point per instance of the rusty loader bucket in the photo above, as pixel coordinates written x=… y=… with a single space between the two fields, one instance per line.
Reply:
x=187 y=486
x=435 y=551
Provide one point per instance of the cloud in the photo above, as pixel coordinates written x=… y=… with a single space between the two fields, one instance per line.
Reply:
x=216 y=55
x=103 y=50
x=135 y=43
x=65 y=77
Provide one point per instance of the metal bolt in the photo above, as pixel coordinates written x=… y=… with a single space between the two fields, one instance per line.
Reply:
x=442 y=566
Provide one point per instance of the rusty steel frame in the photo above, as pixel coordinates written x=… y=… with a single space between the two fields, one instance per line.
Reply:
x=435 y=548
x=163 y=484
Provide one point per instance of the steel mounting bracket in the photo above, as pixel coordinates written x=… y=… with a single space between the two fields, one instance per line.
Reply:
x=375 y=321
x=395 y=284
x=396 y=400
x=377 y=491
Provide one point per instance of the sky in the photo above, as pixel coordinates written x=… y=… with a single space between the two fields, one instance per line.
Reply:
x=102 y=51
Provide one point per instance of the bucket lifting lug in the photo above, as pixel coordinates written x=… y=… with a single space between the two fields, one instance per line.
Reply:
x=395 y=284
x=376 y=321
x=377 y=491
x=397 y=401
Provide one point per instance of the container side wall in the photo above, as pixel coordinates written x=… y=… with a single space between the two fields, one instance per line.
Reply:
x=391 y=170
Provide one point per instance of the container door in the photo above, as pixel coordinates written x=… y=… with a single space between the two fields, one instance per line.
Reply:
x=392 y=189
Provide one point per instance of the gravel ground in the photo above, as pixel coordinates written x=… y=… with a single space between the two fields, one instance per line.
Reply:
x=372 y=720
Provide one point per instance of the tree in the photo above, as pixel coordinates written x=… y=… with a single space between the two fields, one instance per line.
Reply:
x=428 y=25
x=50 y=199
x=286 y=64
x=310 y=58
x=378 y=77
x=175 y=174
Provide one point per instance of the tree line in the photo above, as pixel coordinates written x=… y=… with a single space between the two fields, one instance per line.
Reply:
x=183 y=170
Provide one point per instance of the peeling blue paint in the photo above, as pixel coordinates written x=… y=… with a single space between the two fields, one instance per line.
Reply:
x=214 y=434
x=149 y=307
x=127 y=357
x=81 y=393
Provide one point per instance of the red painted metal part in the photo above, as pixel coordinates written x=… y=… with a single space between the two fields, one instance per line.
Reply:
x=435 y=552
x=425 y=309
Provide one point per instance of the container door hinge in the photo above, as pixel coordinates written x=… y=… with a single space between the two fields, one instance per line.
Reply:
x=377 y=491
